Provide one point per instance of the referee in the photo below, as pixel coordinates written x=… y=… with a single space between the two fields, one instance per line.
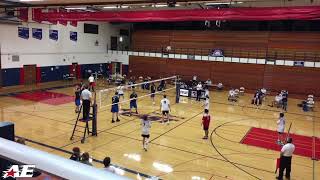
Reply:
x=285 y=159
x=86 y=101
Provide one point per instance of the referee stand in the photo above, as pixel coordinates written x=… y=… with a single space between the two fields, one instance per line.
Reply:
x=86 y=129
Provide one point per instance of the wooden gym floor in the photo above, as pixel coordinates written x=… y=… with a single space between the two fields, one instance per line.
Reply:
x=176 y=151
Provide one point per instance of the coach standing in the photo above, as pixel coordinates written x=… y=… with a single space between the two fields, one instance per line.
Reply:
x=199 y=89
x=285 y=159
x=86 y=101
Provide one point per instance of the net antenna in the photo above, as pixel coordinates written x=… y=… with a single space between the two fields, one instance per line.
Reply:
x=102 y=94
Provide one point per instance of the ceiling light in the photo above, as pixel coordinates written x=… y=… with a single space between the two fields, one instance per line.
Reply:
x=217 y=3
x=124 y=6
x=110 y=7
x=159 y=5
x=29 y=0
x=76 y=8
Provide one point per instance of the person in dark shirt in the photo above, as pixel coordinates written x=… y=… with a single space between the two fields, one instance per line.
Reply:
x=153 y=91
x=133 y=101
x=76 y=154
x=115 y=107
x=85 y=159
x=284 y=102
x=77 y=101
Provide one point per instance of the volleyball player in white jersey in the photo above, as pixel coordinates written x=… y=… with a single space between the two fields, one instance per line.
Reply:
x=146 y=125
x=281 y=126
x=165 y=108
x=120 y=91
x=206 y=103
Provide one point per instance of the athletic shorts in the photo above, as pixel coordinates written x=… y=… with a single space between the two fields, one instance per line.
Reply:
x=92 y=84
x=77 y=102
x=145 y=136
x=165 y=112
x=133 y=105
x=280 y=132
x=205 y=128
x=152 y=95
x=114 y=108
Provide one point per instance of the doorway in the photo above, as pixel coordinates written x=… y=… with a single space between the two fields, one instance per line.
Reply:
x=30 y=74
x=74 y=71
x=114 y=43
x=116 y=68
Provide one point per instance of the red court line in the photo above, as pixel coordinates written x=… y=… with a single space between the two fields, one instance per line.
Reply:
x=264 y=138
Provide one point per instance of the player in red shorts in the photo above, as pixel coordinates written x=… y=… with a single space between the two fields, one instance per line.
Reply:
x=205 y=123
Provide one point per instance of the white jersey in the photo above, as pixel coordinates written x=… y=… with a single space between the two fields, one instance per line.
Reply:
x=206 y=104
x=288 y=149
x=281 y=124
x=165 y=104
x=120 y=90
x=199 y=87
x=111 y=169
x=146 y=125
x=91 y=79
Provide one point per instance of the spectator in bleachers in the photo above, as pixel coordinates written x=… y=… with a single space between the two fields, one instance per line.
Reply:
x=199 y=89
x=85 y=159
x=232 y=95
x=75 y=154
x=209 y=82
x=256 y=98
x=277 y=100
x=107 y=167
x=220 y=86
x=284 y=102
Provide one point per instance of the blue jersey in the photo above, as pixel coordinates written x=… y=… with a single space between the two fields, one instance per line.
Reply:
x=115 y=100
x=133 y=98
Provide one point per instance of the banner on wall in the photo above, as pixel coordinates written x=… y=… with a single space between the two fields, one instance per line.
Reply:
x=37 y=33
x=73 y=36
x=216 y=53
x=23 y=32
x=298 y=63
x=53 y=34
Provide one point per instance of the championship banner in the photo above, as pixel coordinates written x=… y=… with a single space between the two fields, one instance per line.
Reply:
x=23 y=32
x=73 y=36
x=53 y=34
x=37 y=33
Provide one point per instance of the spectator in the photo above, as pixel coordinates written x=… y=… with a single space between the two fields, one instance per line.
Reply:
x=281 y=126
x=284 y=103
x=199 y=89
x=75 y=154
x=107 y=167
x=85 y=159
x=209 y=82
x=219 y=86
x=285 y=159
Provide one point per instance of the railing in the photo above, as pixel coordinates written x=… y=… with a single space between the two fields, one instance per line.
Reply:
x=254 y=53
x=52 y=164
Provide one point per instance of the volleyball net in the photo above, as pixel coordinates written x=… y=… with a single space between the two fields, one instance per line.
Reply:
x=141 y=86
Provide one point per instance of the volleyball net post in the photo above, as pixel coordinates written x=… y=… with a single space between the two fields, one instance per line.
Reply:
x=104 y=95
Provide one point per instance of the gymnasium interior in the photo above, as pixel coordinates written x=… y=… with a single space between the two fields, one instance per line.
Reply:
x=242 y=78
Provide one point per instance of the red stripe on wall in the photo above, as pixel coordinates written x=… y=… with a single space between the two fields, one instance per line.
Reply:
x=78 y=72
x=22 y=76
x=38 y=75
